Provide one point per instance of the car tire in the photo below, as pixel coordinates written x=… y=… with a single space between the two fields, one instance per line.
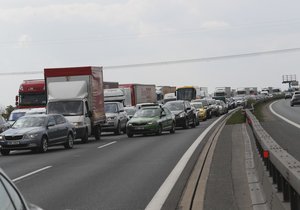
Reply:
x=85 y=137
x=4 y=152
x=173 y=128
x=70 y=142
x=159 y=131
x=194 y=122
x=118 y=130
x=129 y=134
x=97 y=132
x=44 y=145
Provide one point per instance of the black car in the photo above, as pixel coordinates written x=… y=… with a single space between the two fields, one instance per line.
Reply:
x=184 y=114
x=37 y=133
x=295 y=99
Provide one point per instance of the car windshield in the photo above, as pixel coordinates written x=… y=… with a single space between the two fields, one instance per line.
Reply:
x=147 y=113
x=198 y=105
x=110 y=108
x=177 y=106
x=26 y=122
x=66 y=108
x=14 y=116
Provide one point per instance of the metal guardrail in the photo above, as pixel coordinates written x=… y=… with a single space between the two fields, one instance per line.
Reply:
x=282 y=167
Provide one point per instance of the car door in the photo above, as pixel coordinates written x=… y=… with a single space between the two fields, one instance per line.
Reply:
x=62 y=128
x=52 y=130
x=169 y=119
x=123 y=116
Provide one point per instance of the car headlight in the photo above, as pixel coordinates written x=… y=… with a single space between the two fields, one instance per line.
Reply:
x=111 y=118
x=30 y=135
x=77 y=124
x=129 y=124
x=2 y=138
x=181 y=115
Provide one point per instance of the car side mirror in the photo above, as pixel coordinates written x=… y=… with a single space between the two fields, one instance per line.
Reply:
x=163 y=114
x=89 y=114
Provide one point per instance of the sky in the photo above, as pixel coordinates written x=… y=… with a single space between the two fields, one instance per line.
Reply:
x=38 y=34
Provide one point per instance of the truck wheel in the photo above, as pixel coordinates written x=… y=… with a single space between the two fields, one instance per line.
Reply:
x=118 y=130
x=85 y=137
x=5 y=152
x=70 y=142
x=97 y=132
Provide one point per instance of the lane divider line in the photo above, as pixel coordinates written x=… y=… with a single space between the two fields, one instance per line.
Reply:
x=31 y=173
x=105 y=145
x=162 y=194
x=280 y=116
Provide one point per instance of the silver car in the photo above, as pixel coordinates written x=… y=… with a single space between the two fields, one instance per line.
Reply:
x=10 y=197
x=37 y=133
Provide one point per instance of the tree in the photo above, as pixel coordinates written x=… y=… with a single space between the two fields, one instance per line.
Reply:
x=7 y=112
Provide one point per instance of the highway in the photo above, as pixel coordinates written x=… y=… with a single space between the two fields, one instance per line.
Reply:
x=114 y=173
x=284 y=133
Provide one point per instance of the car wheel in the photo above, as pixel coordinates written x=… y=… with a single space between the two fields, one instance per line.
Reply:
x=5 y=152
x=129 y=134
x=173 y=128
x=194 y=122
x=70 y=142
x=85 y=137
x=44 y=145
x=97 y=132
x=118 y=131
x=159 y=131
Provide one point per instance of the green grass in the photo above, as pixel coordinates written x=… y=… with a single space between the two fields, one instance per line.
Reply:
x=258 y=111
x=237 y=118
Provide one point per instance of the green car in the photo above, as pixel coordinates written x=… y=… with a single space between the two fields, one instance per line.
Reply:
x=151 y=120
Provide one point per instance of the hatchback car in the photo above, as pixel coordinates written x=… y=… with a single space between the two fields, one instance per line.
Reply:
x=10 y=196
x=184 y=114
x=152 y=119
x=295 y=99
x=37 y=132
x=200 y=110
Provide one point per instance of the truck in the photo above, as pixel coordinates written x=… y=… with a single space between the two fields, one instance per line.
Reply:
x=188 y=93
x=109 y=85
x=161 y=91
x=141 y=93
x=32 y=94
x=77 y=93
x=223 y=91
x=122 y=95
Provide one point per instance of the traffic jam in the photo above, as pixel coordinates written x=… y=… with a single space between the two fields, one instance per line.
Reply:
x=75 y=104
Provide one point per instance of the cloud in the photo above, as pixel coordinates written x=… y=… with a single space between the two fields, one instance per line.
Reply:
x=24 y=41
x=211 y=25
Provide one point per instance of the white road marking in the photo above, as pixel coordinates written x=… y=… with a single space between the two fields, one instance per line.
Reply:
x=29 y=174
x=162 y=194
x=105 y=145
x=285 y=119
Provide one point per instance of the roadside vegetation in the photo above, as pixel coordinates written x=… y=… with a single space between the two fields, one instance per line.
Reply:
x=237 y=118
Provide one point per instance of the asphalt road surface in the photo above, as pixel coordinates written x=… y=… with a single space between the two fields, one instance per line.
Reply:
x=285 y=134
x=114 y=173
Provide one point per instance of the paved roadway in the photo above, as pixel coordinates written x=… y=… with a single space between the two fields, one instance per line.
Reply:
x=285 y=134
x=124 y=174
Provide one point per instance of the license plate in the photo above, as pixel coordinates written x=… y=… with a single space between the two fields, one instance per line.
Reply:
x=139 y=128
x=13 y=142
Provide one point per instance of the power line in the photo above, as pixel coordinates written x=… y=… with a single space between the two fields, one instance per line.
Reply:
x=182 y=61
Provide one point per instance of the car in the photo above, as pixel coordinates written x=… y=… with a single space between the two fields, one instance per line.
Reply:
x=151 y=119
x=3 y=124
x=16 y=114
x=130 y=110
x=10 y=196
x=139 y=106
x=295 y=100
x=41 y=110
x=288 y=95
x=116 y=118
x=222 y=107
x=207 y=107
x=201 y=111
x=214 y=107
x=184 y=114
x=37 y=133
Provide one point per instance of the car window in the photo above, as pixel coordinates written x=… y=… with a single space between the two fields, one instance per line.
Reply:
x=167 y=111
x=59 y=119
x=9 y=198
x=51 y=120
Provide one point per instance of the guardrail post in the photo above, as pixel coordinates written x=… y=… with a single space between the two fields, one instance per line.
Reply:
x=295 y=200
x=286 y=191
x=279 y=182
